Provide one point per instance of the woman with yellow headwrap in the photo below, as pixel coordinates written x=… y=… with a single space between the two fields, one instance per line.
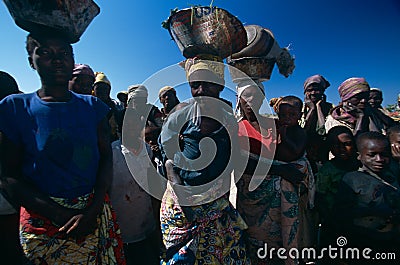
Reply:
x=209 y=230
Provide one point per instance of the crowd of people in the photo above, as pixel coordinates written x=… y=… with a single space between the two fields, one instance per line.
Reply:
x=73 y=158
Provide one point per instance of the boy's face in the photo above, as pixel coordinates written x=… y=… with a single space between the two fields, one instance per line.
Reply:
x=343 y=147
x=394 y=138
x=289 y=115
x=375 y=99
x=374 y=154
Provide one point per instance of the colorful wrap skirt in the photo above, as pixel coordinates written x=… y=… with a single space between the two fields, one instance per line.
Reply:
x=276 y=213
x=211 y=233
x=42 y=243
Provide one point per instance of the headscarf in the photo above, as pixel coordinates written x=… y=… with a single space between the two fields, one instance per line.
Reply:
x=316 y=79
x=165 y=89
x=211 y=64
x=353 y=86
x=241 y=87
x=275 y=102
x=83 y=69
x=376 y=90
x=137 y=91
x=101 y=77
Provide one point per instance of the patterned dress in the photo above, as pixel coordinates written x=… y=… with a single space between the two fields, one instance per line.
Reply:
x=211 y=233
x=276 y=210
x=44 y=244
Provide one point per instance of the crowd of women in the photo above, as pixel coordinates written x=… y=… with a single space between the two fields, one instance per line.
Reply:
x=321 y=170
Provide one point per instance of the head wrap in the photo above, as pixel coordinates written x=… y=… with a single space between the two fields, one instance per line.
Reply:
x=165 y=89
x=353 y=86
x=316 y=79
x=83 y=69
x=275 y=102
x=241 y=87
x=375 y=89
x=101 y=77
x=122 y=94
x=137 y=91
x=209 y=64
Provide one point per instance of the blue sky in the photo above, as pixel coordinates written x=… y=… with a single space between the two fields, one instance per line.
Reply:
x=338 y=39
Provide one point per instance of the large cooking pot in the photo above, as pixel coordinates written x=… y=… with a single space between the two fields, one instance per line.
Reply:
x=206 y=30
x=70 y=17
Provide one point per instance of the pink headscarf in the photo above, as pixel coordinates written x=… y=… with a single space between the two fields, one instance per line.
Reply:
x=316 y=79
x=353 y=86
x=83 y=69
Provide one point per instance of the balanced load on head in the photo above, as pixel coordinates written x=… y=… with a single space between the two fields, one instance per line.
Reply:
x=258 y=58
x=69 y=17
x=206 y=30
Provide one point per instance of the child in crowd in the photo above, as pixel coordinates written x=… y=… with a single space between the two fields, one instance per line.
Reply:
x=297 y=222
x=341 y=141
x=132 y=204
x=367 y=203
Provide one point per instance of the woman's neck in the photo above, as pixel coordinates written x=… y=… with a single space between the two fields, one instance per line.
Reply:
x=54 y=93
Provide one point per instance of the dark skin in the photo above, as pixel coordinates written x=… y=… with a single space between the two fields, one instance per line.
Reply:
x=53 y=60
x=374 y=154
x=250 y=103
x=208 y=125
x=359 y=107
x=82 y=84
x=394 y=139
x=102 y=91
x=318 y=108
x=293 y=137
x=375 y=99
x=169 y=101
x=206 y=89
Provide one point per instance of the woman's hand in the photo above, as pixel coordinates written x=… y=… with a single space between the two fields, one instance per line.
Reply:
x=395 y=151
x=289 y=173
x=81 y=224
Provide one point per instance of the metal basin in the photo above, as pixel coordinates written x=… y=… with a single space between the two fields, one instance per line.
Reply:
x=71 y=17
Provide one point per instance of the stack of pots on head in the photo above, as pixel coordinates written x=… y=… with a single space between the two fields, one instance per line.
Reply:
x=258 y=58
x=206 y=32
x=69 y=18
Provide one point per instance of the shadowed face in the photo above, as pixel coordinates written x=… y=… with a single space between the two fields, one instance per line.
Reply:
x=82 y=84
x=374 y=154
x=53 y=59
x=102 y=91
x=251 y=100
x=375 y=99
x=358 y=101
x=314 y=92
x=343 y=146
x=289 y=115
x=168 y=99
